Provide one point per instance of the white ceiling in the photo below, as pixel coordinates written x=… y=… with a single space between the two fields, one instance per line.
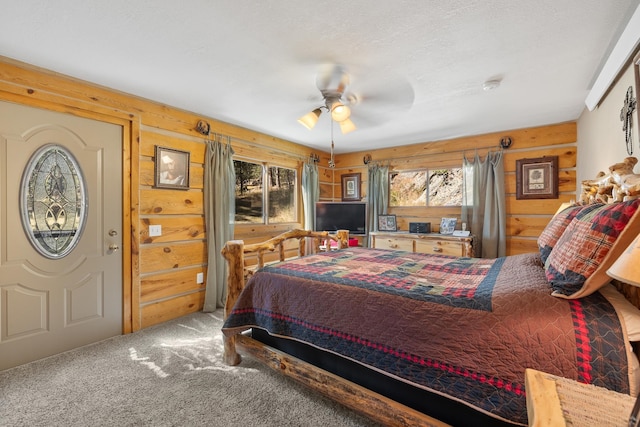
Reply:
x=417 y=66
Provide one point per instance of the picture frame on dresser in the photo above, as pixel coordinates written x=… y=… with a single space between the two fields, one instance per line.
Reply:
x=448 y=225
x=387 y=223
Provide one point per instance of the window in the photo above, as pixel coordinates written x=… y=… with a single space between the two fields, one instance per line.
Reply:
x=282 y=195
x=260 y=204
x=53 y=201
x=431 y=187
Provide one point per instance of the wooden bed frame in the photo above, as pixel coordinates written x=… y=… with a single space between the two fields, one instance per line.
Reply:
x=235 y=252
x=612 y=187
x=360 y=399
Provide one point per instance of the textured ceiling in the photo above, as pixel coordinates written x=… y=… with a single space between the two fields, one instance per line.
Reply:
x=416 y=67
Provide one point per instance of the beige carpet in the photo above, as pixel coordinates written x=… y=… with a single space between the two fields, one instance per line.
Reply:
x=167 y=375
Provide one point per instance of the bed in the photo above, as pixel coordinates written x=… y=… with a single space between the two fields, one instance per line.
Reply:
x=416 y=339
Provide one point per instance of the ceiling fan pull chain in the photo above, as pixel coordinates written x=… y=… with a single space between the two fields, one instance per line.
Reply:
x=332 y=163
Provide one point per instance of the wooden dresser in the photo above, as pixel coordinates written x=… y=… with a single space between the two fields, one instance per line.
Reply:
x=431 y=243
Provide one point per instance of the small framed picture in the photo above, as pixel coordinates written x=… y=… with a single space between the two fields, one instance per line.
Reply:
x=350 y=187
x=537 y=178
x=171 y=168
x=448 y=225
x=387 y=223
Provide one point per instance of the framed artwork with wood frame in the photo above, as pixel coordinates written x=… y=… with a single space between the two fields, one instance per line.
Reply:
x=350 y=187
x=537 y=178
x=171 y=168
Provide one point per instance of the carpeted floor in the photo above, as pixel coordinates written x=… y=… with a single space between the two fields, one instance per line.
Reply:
x=167 y=375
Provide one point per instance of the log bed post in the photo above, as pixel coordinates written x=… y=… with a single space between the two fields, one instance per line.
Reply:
x=234 y=251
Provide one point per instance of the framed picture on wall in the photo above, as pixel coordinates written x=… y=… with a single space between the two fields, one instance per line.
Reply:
x=351 y=187
x=387 y=223
x=171 y=168
x=537 y=178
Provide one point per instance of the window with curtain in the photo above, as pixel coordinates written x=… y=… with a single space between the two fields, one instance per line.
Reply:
x=426 y=187
x=265 y=194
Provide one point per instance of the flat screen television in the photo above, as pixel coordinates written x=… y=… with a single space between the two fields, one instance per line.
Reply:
x=334 y=216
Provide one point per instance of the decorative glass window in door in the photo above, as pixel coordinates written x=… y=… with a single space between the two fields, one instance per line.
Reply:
x=53 y=201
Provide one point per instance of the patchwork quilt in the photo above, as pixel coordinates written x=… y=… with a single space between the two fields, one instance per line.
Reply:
x=465 y=328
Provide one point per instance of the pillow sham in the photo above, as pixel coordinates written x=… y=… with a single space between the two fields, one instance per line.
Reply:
x=629 y=313
x=577 y=265
x=630 y=316
x=554 y=229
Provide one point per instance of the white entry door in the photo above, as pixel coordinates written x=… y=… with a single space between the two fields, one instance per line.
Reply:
x=60 y=232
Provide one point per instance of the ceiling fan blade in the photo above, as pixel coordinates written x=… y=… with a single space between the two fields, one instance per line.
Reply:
x=375 y=98
x=332 y=77
x=374 y=94
x=397 y=94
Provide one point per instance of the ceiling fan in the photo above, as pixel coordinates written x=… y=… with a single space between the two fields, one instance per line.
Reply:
x=376 y=95
x=331 y=83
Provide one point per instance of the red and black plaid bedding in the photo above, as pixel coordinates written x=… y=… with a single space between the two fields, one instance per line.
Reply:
x=463 y=327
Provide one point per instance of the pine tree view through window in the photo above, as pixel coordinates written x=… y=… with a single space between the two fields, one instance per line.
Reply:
x=282 y=194
x=435 y=187
x=253 y=199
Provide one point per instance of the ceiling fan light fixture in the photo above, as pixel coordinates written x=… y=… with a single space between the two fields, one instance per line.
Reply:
x=347 y=126
x=310 y=119
x=339 y=111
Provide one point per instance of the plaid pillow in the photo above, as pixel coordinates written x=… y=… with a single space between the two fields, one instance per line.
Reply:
x=582 y=249
x=552 y=232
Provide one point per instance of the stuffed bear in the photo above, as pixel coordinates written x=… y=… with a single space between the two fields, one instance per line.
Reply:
x=618 y=185
x=625 y=183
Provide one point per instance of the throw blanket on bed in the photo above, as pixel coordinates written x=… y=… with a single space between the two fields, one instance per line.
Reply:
x=463 y=327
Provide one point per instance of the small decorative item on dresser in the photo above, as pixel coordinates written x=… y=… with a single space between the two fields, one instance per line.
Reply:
x=462 y=233
x=387 y=223
x=420 y=227
x=448 y=225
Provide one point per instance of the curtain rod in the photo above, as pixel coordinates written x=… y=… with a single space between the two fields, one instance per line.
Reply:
x=254 y=145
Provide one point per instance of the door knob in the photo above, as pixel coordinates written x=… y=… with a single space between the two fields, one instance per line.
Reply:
x=113 y=247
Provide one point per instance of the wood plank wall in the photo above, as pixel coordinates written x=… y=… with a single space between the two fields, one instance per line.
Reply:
x=525 y=218
x=159 y=277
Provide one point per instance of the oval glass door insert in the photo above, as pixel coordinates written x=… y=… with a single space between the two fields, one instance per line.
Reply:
x=53 y=201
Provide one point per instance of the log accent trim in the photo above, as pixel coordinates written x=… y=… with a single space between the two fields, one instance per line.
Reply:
x=360 y=399
x=235 y=251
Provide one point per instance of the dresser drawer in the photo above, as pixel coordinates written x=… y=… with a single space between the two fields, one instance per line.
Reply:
x=440 y=247
x=430 y=243
x=396 y=244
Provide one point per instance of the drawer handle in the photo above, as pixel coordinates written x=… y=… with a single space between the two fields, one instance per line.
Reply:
x=393 y=245
x=437 y=249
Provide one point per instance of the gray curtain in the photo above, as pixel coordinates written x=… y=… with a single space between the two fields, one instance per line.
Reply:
x=219 y=212
x=378 y=194
x=310 y=193
x=483 y=204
